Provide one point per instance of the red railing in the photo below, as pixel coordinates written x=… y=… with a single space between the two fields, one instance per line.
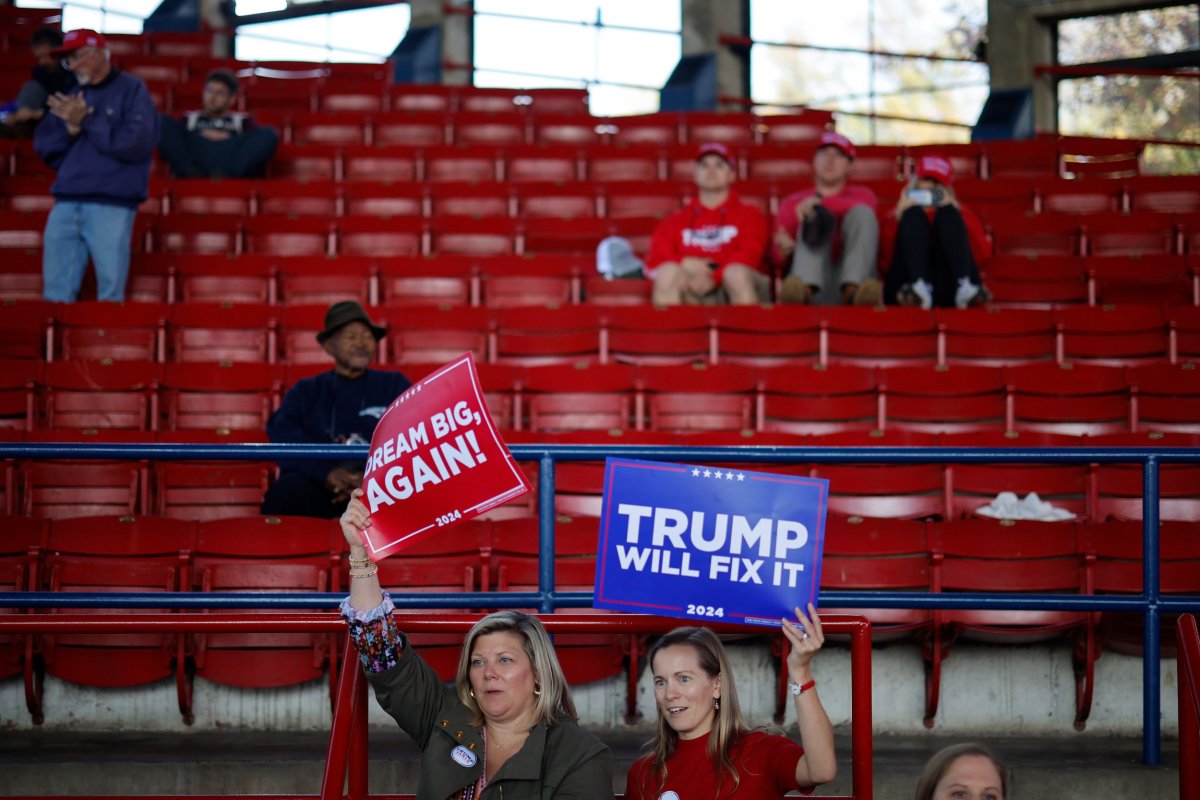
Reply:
x=346 y=757
x=1188 y=639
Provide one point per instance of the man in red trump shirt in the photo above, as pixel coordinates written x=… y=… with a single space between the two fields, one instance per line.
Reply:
x=712 y=249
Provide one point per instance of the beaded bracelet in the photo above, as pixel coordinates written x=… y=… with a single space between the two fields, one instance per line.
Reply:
x=372 y=573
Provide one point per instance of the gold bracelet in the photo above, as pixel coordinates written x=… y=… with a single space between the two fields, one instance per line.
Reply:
x=370 y=574
x=360 y=562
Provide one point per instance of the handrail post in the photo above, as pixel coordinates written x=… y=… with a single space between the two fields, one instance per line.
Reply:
x=1151 y=657
x=546 y=533
x=357 y=781
x=340 y=728
x=862 y=757
x=1189 y=701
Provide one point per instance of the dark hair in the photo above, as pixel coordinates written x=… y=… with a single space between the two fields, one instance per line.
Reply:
x=937 y=767
x=223 y=76
x=50 y=36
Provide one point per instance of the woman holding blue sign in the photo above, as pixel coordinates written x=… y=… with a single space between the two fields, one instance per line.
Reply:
x=507 y=726
x=703 y=748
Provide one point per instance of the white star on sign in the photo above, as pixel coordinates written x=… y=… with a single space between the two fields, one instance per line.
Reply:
x=741 y=477
x=708 y=473
x=728 y=476
x=696 y=473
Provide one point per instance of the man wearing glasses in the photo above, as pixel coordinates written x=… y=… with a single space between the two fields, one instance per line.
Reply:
x=100 y=138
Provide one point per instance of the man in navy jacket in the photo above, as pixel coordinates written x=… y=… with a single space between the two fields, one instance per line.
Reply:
x=341 y=406
x=100 y=138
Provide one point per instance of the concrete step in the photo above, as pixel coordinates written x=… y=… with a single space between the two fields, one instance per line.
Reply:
x=44 y=763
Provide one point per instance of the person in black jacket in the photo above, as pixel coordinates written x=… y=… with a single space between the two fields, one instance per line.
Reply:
x=215 y=141
x=48 y=78
x=341 y=406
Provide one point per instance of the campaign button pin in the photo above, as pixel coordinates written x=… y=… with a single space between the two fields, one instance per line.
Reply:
x=463 y=756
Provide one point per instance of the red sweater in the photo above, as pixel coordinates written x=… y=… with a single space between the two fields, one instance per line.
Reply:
x=732 y=233
x=766 y=766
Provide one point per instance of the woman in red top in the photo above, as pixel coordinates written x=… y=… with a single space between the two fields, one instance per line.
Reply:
x=703 y=749
x=936 y=244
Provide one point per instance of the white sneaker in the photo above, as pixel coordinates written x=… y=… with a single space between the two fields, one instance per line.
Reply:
x=969 y=294
x=921 y=291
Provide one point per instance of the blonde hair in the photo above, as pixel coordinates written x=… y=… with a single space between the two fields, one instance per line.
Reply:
x=728 y=723
x=553 y=698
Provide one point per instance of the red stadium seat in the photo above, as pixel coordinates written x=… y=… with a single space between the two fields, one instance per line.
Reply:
x=656 y=129
x=479 y=162
x=584 y=396
x=879 y=336
x=24 y=328
x=1111 y=335
x=319 y=279
x=644 y=198
x=102 y=394
x=555 y=101
x=819 y=399
x=210 y=489
x=543 y=281
x=989 y=556
x=384 y=200
x=18 y=387
x=766 y=336
x=1169 y=194
x=1157 y=280
x=1166 y=397
x=117 y=554
x=1068 y=398
x=29 y=194
x=1046 y=235
x=266 y=554
x=1079 y=196
x=1084 y=156
x=1142 y=234
x=113 y=331
x=19 y=561
x=673 y=335
x=1184 y=326
x=324 y=127
x=997 y=337
x=22 y=230
x=417 y=280
x=1001 y=197
x=542 y=162
x=973 y=486
x=411 y=128
x=196 y=233
x=424 y=97
x=234 y=198
x=343 y=96
x=803 y=128
x=306 y=162
x=373 y=236
x=1021 y=159
x=1035 y=281
x=623 y=162
x=602 y=291
x=489 y=99
x=557 y=200
x=1118 y=488
x=435 y=335
x=225 y=332
x=469 y=200
x=487 y=127
x=220 y=395
x=566 y=128
x=878 y=162
x=300 y=198
x=470 y=236
x=726 y=127
x=21 y=280
x=898 y=491
x=942 y=399
x=287 y=236
x=689 y=397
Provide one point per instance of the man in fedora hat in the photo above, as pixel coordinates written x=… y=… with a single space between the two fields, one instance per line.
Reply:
x=341 y=406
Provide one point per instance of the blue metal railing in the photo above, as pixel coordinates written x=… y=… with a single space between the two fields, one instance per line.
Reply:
x=1150 y=602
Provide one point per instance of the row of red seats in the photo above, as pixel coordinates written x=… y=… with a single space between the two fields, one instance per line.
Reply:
x=274 y=554
x=249 y=554
x=1142 y=234
x=1159 y=194
x=1071 y=399
x=596 y=334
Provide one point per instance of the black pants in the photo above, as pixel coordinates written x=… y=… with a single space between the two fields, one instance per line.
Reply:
x=937 y=252
x=192 y=156
x=297 y=495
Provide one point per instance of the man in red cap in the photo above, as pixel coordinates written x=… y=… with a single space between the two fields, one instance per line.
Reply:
x=100 y=138
x=712 y=249
x=933 y=245
x=827 y=236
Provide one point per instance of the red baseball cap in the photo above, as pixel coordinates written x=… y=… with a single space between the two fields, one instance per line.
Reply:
x=80 y=38
x=833 y=139
x=715 y=148
x=936 y=167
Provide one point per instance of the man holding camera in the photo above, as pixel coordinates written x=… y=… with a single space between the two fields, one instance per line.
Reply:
x=827 y=237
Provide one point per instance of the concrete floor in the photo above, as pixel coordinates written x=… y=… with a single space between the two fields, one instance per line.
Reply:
x=39 y=763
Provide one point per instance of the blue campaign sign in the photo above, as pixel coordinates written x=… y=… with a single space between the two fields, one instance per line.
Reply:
x=709 y=542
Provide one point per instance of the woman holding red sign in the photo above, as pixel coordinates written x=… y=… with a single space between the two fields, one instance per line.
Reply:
x=703 y=748
x=507 y=727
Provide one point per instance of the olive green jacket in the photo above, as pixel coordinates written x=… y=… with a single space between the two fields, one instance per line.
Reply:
x=560 y=761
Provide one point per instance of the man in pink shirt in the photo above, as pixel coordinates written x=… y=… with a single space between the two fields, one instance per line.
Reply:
x=827 y=237
x=714 y=246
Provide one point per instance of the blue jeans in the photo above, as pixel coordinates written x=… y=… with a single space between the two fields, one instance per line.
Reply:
x=73 y=232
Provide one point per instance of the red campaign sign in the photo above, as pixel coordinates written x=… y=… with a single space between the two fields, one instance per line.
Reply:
x=436 y=459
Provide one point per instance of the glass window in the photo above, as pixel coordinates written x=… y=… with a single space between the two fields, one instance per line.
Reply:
x=859 y=84
x=364 y=35
x=622 y=50
x=106 y=16
x=1087 y=40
